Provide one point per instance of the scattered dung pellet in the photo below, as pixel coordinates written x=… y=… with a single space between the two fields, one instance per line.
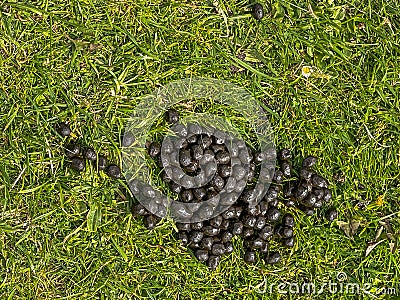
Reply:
x=213 y=262
x=113 y=171
x=288 y=220
x=128 y=139
x=89 y=154
x=101 y=163
x=273 y=214
x=183 y=237
x=257 y=11
x=285 y=154
x=309 y=161
x=273 y=258
x=150 y=221
x=172 y=116
x=228 y=248
x=72 y=150
x=78 y=164
x=250 y=257
x=63 y=129
x=288 y=242
x=201 y=255
x=331 y=215
x=218 y=249
x=154 y=149
x=139 y=210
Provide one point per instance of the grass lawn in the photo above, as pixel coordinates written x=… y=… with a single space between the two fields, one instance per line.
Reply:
x=89 y=62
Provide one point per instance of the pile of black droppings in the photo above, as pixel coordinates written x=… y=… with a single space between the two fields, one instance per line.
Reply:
x=268 y=223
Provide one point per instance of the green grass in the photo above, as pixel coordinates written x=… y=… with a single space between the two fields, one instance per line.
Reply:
x=89 y=62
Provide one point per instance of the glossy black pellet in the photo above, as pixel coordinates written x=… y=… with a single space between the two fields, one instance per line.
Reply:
x=183 y=237
x=286 y=169
x=250 y=257
x=273 y=258
x=63 y=129
x=211 y=231
x=328 y=195
x=205 y=141
x=318 y=193
x=218 y=249
x=318 y=204
x=258 y=243
x=206 y=243
x=289 y=203
x=217 y=148
x=185 y=158
x=247 y=232
x=101 y=163
x=172 y=116
x=288 y=242
x=226 y=236
x=309 y=201
x=150 y=221
x=273 y=214
x=196 y=226
x=286 y=232
x=197 y=151
x=229 y=213
x=254 y=210
x=238 y=211
x=192 y=167
x=222 y=157
x=288 y=220
x=139 y=210
x=213 y=262
x=183 y=226
x=257 y=11
x=216 y=221
x=72 y=150
x=301 y=193
x=201 y=255
x=309 y=161
x=260 y=223
x=331 y=215
x=306 y=174
x=199 y=193
x=278 y=176
x=264 y=248
x=176 y=188
x=195 y=236
x=284 y=154
x=218 y=183
x=78 y=164
x=154 y=149
x=237 y=228
x=225 y=224
x=224 y=171
x=113 y=171
x=266 y=232
x=186 y=196
x=249 y=221
x=318 y=181
x=228 y=247
x=259 y=157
